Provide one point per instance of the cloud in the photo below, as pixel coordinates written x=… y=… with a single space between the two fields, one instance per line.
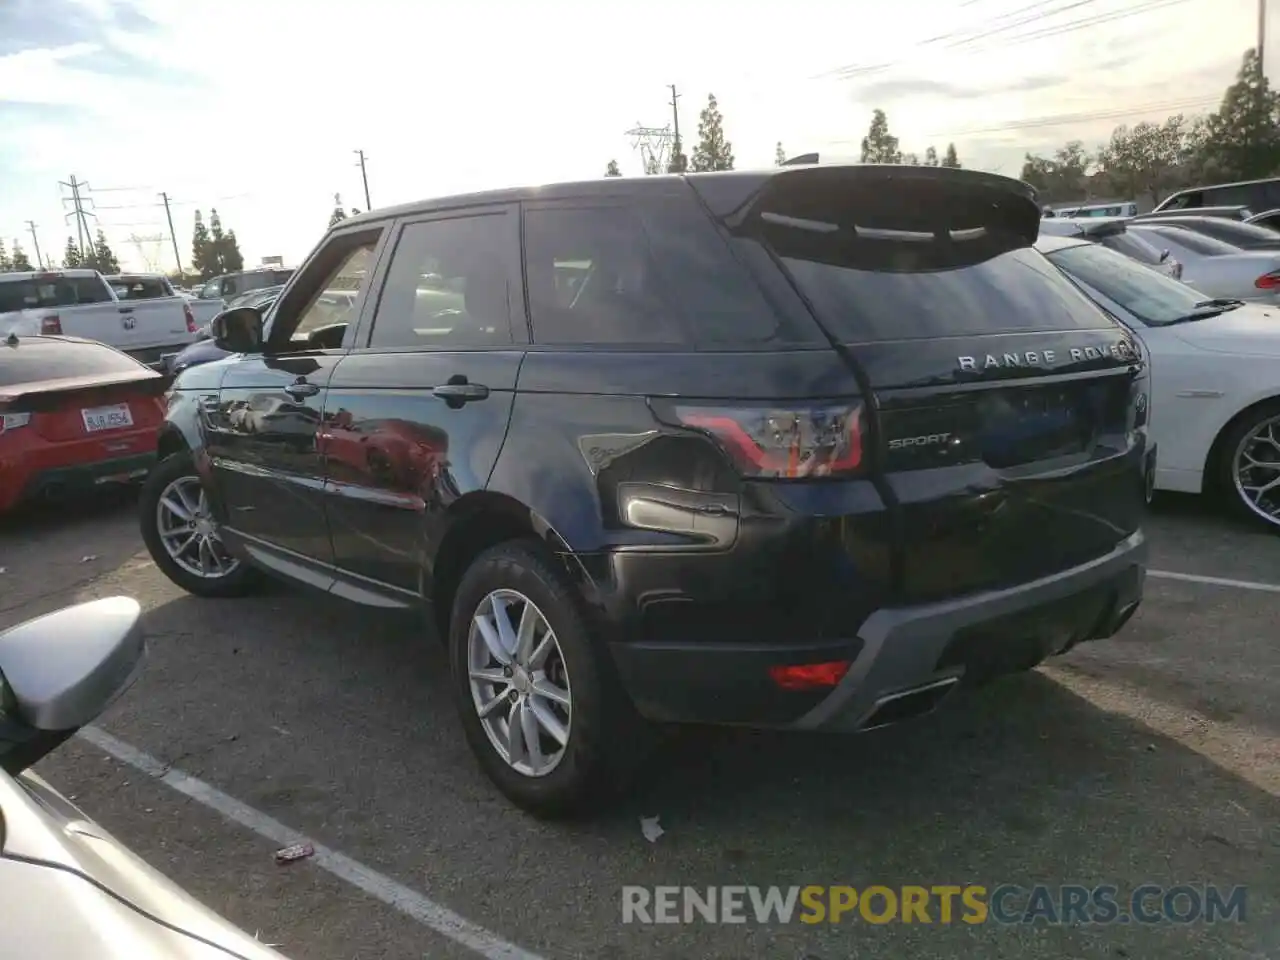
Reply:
x=889 y=91
x=44 y=24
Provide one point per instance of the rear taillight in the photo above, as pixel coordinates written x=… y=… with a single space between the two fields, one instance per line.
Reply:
x=809 y=676
x=783 y=442
x=11 y=421
x=191 y=318
x=1268 y=281
x=51 y=326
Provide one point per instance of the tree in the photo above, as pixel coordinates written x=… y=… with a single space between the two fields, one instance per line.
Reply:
x=18 y=261
x=1061 y=177
x=204 y=259
x=5 y=262
x=1144 y=160
x=102 y=258
x=338 y=214
x=911 y=159
x=71 y=255
x=930 y=157
x=779 y=156
x=652 y=165
x=679 y=163
x=1243 y=136
x=879 y=146
x=612 y=169
x=232 y=258
x=713 y=151
x=950 y=159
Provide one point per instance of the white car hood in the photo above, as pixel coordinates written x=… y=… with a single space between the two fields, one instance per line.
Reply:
x=1250 y=330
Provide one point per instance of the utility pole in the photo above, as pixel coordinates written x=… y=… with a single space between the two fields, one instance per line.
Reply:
x=677 y=156
x=35 y=241
x=1262 y=36
x=368 y=204
x=177 y=257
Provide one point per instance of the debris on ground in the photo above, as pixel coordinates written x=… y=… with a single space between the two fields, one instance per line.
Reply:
x=298 y=851
x=89 y=558
x=651 y=829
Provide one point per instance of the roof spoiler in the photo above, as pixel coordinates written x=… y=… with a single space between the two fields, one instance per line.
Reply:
x=878 y=201
x=803 y=160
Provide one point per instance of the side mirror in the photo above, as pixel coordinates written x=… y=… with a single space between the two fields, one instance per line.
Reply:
x=59 y=672
x=238 y=330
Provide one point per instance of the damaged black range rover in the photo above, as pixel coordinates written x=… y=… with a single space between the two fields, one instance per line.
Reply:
x=803 y=448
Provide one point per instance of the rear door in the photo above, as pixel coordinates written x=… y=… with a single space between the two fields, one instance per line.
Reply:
x=1003 y=396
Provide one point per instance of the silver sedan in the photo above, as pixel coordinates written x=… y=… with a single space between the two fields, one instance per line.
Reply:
x=1216 y=268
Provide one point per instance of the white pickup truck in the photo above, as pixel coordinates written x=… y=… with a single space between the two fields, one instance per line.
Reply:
x=156 y=286
x=81 y=303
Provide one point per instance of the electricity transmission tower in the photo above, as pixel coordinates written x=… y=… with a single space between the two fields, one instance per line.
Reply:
x=148 y=248
x=654 y=144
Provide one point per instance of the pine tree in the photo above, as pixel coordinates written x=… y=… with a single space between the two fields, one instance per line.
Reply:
x=779 y=155
x=879 y=146
x=612 y=169
x=931 y=157
x=950 y=159
x=1244 y=134
x=5 y=262
x=103 y=258
x=71 y=255
x=18 y=261
x=713 y=152
x=204 y=259
x=338 y=214
x=232 y=258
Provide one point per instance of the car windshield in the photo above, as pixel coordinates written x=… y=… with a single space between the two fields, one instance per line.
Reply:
x=1150 y=296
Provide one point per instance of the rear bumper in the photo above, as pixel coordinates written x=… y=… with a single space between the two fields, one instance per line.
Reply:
x=902 y=660
x=73 y=481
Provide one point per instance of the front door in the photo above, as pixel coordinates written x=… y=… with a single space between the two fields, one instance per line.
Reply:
x=264 y=439
x=417 y=412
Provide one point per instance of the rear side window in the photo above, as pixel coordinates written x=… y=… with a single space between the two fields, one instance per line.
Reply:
x=860 y=300
x=1239 y=234
x=1132 y=245
x=1195 y=242
x=37 y=359
x=45 y=292
x=654 y=273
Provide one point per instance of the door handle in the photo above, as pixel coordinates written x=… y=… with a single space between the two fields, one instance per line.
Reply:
x=302 y=388
x=125 y=309
x=456 y=394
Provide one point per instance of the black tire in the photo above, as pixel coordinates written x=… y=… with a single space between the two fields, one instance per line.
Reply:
x=1224 y=473
x=607 y=739
x=237 y=583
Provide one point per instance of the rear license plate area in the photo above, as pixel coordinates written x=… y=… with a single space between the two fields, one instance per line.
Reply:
x=114 y=417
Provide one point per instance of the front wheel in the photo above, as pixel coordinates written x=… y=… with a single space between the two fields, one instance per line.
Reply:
x=539 y=704
x=181 y=532
x=1249 y=468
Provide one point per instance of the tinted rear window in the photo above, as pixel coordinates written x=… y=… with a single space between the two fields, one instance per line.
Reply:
x=140 y=288
x=42 y=293
x=40 y=359
x=1240 y=234
x=1195 y=242
x=1014 y=291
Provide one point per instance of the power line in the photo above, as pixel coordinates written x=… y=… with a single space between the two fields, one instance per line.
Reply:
x=1063 y=119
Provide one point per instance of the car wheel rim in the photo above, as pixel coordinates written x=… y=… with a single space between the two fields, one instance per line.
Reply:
x=189 y=532
x=1257 y=470
x=519 y=683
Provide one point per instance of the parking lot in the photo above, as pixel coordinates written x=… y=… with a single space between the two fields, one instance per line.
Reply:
x=1152 y=758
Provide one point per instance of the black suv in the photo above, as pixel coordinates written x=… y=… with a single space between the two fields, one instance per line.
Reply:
x=799 y=448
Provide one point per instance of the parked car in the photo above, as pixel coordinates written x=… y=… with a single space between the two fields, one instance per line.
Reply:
x=1269 y=219
x=81 y=303
x=1245 y=236
x=1233 y=212
x=233 y=284
x=254 y=298
x=156 y=286
x=68 y=888
x=804 y=448
x=1113 y=233
x=1257 y=195
x=1215 y=268
x=204 y=350
x=74 y=415
x=1215 y=380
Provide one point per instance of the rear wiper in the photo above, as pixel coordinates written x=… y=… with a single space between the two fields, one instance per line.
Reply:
x=1208 y=308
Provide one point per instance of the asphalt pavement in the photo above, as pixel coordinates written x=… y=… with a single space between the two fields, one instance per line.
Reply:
x=1151 y=758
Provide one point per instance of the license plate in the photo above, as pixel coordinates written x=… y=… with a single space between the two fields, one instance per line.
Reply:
x=107 y=418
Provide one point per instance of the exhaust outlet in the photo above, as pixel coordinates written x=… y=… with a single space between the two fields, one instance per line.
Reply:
x=907 y=704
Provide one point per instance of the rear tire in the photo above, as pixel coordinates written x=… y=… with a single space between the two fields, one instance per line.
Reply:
x=602 y=734
x=175 y=481
x=1254 y=436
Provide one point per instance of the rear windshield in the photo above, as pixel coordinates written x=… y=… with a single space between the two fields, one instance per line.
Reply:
x=1014 y=291
x=38 y=358
x=1134 y=246
x=1195 y=242
x=140 y=288
x=44 y=292
x=1150 y=296
x=1241 y=234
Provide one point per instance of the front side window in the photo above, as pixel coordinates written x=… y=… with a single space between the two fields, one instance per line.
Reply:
x=1150 y=296
x=448 y=285
x=330 y=293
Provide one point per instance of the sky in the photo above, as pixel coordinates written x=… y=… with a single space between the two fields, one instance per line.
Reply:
x=256 y=107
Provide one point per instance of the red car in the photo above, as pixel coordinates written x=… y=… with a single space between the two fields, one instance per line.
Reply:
x=74 y=414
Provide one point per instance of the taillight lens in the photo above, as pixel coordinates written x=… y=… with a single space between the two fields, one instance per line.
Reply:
x=1268 y=281
x=51 y=326
x=792 y=442
x=809 y=676
x=191 y=318
x=11 y=421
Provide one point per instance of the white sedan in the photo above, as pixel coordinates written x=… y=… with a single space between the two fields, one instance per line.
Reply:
x=1216 y=268
x=1215 y=376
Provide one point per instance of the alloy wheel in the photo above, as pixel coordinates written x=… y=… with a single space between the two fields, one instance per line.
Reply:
x=189 y=531
x=1256 y=469
x=519 y=683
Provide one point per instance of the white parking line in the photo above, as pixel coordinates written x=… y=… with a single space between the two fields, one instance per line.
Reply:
x=427 y=912
x=1215 y=581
